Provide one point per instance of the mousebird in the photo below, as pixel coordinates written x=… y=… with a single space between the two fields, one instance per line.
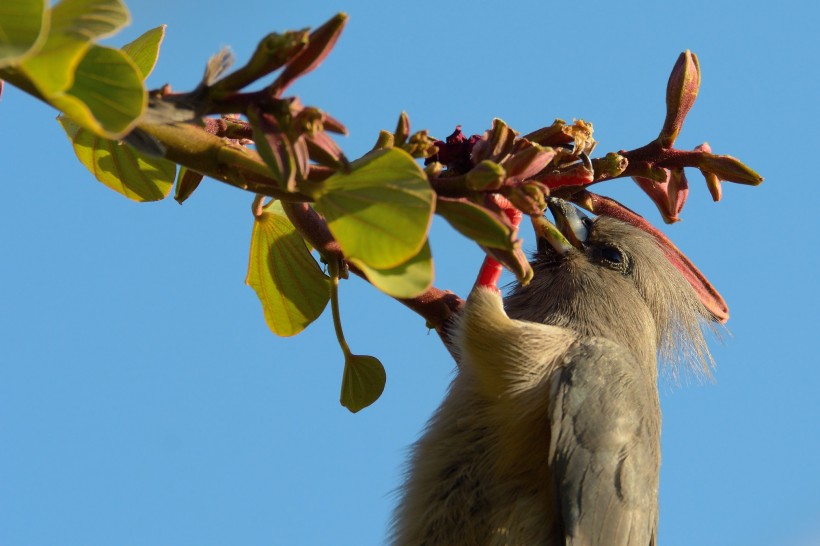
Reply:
x=550 y=431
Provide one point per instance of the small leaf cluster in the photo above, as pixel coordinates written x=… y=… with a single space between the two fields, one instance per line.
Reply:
x=52 y=52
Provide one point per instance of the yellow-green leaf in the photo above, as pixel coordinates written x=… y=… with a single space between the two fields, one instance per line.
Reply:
x=476 y=223
x=144 y=51
x=362 y=383
x=120 y=167
x=379 y=212
x=107 y=95
x=408 y=280
x=74 y=26
x=288 y=281
x=89 y=19
x=52 y=70
x=23 y=29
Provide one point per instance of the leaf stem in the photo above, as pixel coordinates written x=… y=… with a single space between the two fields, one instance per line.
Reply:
x=258 y=205
x=333 y=267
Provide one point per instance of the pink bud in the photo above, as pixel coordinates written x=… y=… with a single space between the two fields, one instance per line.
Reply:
x=402 y=129
x=320 y=42
x=678 y=191
x=528 y=161
x=681 y=92
x=712 y=180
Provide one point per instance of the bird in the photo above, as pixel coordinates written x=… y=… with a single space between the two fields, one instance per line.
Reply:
x=549 y=433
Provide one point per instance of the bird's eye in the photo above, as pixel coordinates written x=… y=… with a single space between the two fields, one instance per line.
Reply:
x=612 y=254
x=613 y=257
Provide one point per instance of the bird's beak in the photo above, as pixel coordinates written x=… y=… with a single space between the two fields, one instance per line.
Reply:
x=569 y=230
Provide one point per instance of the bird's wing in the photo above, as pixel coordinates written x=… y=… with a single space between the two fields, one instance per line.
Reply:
x=605 y=446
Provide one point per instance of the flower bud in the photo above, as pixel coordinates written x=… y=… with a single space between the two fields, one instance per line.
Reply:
x=681 y=92
x=324 y=151
x=421 y=145
x=402 y=129
x=320 y=42
x=487 y=175
x=528 y=161
x=728 y=168
x=712 y=180
x=273 y=51
x=514 y=260
x=552 y=135
x=713 y=185
x=610 y=166
x=529 y=198
x=495 y=144
x=677 y=192
x=307 y=120
x=333 y=125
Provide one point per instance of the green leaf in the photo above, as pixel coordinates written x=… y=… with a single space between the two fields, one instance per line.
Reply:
x=362 y=383
x=23 y=29
x=52 y=70
x=120 y=167
x=74 y=26
x=107 y=95
x=476 y=223
x=100 y=88
x=288 y=281
x=408 y=280
x=144 y=51
x=379 y=212
x=89 y=19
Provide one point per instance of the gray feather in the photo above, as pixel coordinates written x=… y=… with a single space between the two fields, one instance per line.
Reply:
x=605 y=440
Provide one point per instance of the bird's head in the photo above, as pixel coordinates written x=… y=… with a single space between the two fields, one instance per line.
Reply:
x=604 y=277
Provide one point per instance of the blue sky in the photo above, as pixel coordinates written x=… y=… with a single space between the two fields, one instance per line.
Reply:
x=144 y=401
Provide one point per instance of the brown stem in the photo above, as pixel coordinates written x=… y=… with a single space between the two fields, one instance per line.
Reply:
x=258 y=205
x=451 y=186
x=653 y=156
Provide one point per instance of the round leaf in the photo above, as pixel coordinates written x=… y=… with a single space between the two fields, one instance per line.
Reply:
x=408 y=280
x=288 y=281
x=379 y=212
x=362 y=383
x=23 y=29
x=120 y=167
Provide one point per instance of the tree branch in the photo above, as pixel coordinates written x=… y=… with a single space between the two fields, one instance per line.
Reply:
x=205 y=153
